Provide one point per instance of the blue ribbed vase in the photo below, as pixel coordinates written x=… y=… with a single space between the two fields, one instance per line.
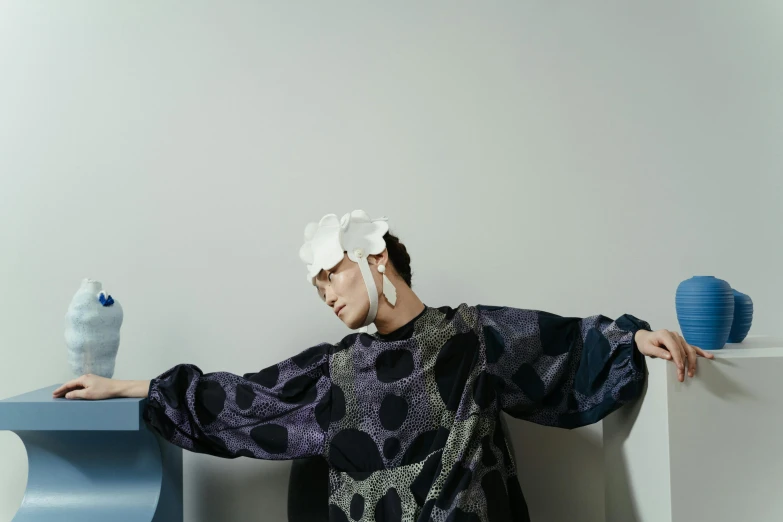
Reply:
x=743 y=317
x=705 y=311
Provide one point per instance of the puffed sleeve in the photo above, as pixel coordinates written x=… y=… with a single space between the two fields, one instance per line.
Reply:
x=280 y=412
x=561 y=371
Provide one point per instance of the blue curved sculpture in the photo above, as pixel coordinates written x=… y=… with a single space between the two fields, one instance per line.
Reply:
x=92 y=461
x=705 y=311
x=743 y=317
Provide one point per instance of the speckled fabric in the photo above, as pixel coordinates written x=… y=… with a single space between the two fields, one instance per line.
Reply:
x=409 y=422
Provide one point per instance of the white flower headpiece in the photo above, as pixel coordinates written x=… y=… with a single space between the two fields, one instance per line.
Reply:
x=327 y=241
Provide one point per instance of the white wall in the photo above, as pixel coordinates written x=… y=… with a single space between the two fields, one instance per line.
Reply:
x=579 y=158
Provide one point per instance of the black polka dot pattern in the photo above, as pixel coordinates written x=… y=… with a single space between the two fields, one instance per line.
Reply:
x=310 y=356
x=175 y=386
x=457 y=481
x=346 y=342
x=393 y=365
x=266 y=377
x=271 y=438
x=357 y=507
x=244 y=452
x=409 y=422
x=494 y=343
x=336 y=514
x=331 y=407
x=391 y=447
x=423 y=482
x=245 y=396
x=389 y=507
x=448 y=312
x=422 y=446
x=299 y=390
x=453 y=367
x=214 y=444
x=393 y=411
x=210 y=401
x=485 y=389
x=557 y=334
x=354 y=450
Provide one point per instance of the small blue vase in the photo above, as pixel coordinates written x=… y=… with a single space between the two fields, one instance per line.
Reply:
x=743 y=317
x=705 y=311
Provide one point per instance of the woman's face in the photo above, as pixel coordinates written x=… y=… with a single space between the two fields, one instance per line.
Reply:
x=343 y=289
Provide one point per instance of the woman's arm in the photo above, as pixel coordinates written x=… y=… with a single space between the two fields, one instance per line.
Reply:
x=130 y=388
x=95 y=388
x=279 y=413
x=561 y=371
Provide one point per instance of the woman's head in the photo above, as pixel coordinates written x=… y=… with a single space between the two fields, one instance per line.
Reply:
x=343 y=288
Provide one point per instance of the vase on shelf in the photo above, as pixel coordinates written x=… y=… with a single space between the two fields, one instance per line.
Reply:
x=743 y=317
x=705 y=311
x=92 y=330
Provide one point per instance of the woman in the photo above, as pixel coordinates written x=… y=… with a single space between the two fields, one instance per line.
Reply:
x=408 y=418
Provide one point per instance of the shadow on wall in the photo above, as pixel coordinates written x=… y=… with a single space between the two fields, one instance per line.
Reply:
x=622 y=499
x=561 y=471
x=235 y=489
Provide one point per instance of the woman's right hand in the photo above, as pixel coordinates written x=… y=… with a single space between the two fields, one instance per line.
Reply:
x=88 y=386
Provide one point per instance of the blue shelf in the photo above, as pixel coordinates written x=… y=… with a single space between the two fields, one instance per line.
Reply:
x=37 y=410
x=92 y=461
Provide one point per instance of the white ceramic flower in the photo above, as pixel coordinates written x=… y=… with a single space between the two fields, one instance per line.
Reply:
x=328 y=240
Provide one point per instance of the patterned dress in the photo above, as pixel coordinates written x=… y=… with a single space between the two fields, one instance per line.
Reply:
x=409 y=422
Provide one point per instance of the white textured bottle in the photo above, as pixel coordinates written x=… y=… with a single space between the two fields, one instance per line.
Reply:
x=92 y=330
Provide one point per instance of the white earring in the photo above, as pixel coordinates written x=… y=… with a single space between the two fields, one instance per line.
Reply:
x=388 y=288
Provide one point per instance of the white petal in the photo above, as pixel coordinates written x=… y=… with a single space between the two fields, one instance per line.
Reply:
x=306 y=253
x=310 y=231
x=360 y=216
x=345 y=221
x=329 y=220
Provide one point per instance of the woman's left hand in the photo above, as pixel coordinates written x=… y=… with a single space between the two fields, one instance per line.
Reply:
x=672 y=346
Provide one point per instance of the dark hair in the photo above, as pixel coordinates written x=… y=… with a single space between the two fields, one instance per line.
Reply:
x=399 y=257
